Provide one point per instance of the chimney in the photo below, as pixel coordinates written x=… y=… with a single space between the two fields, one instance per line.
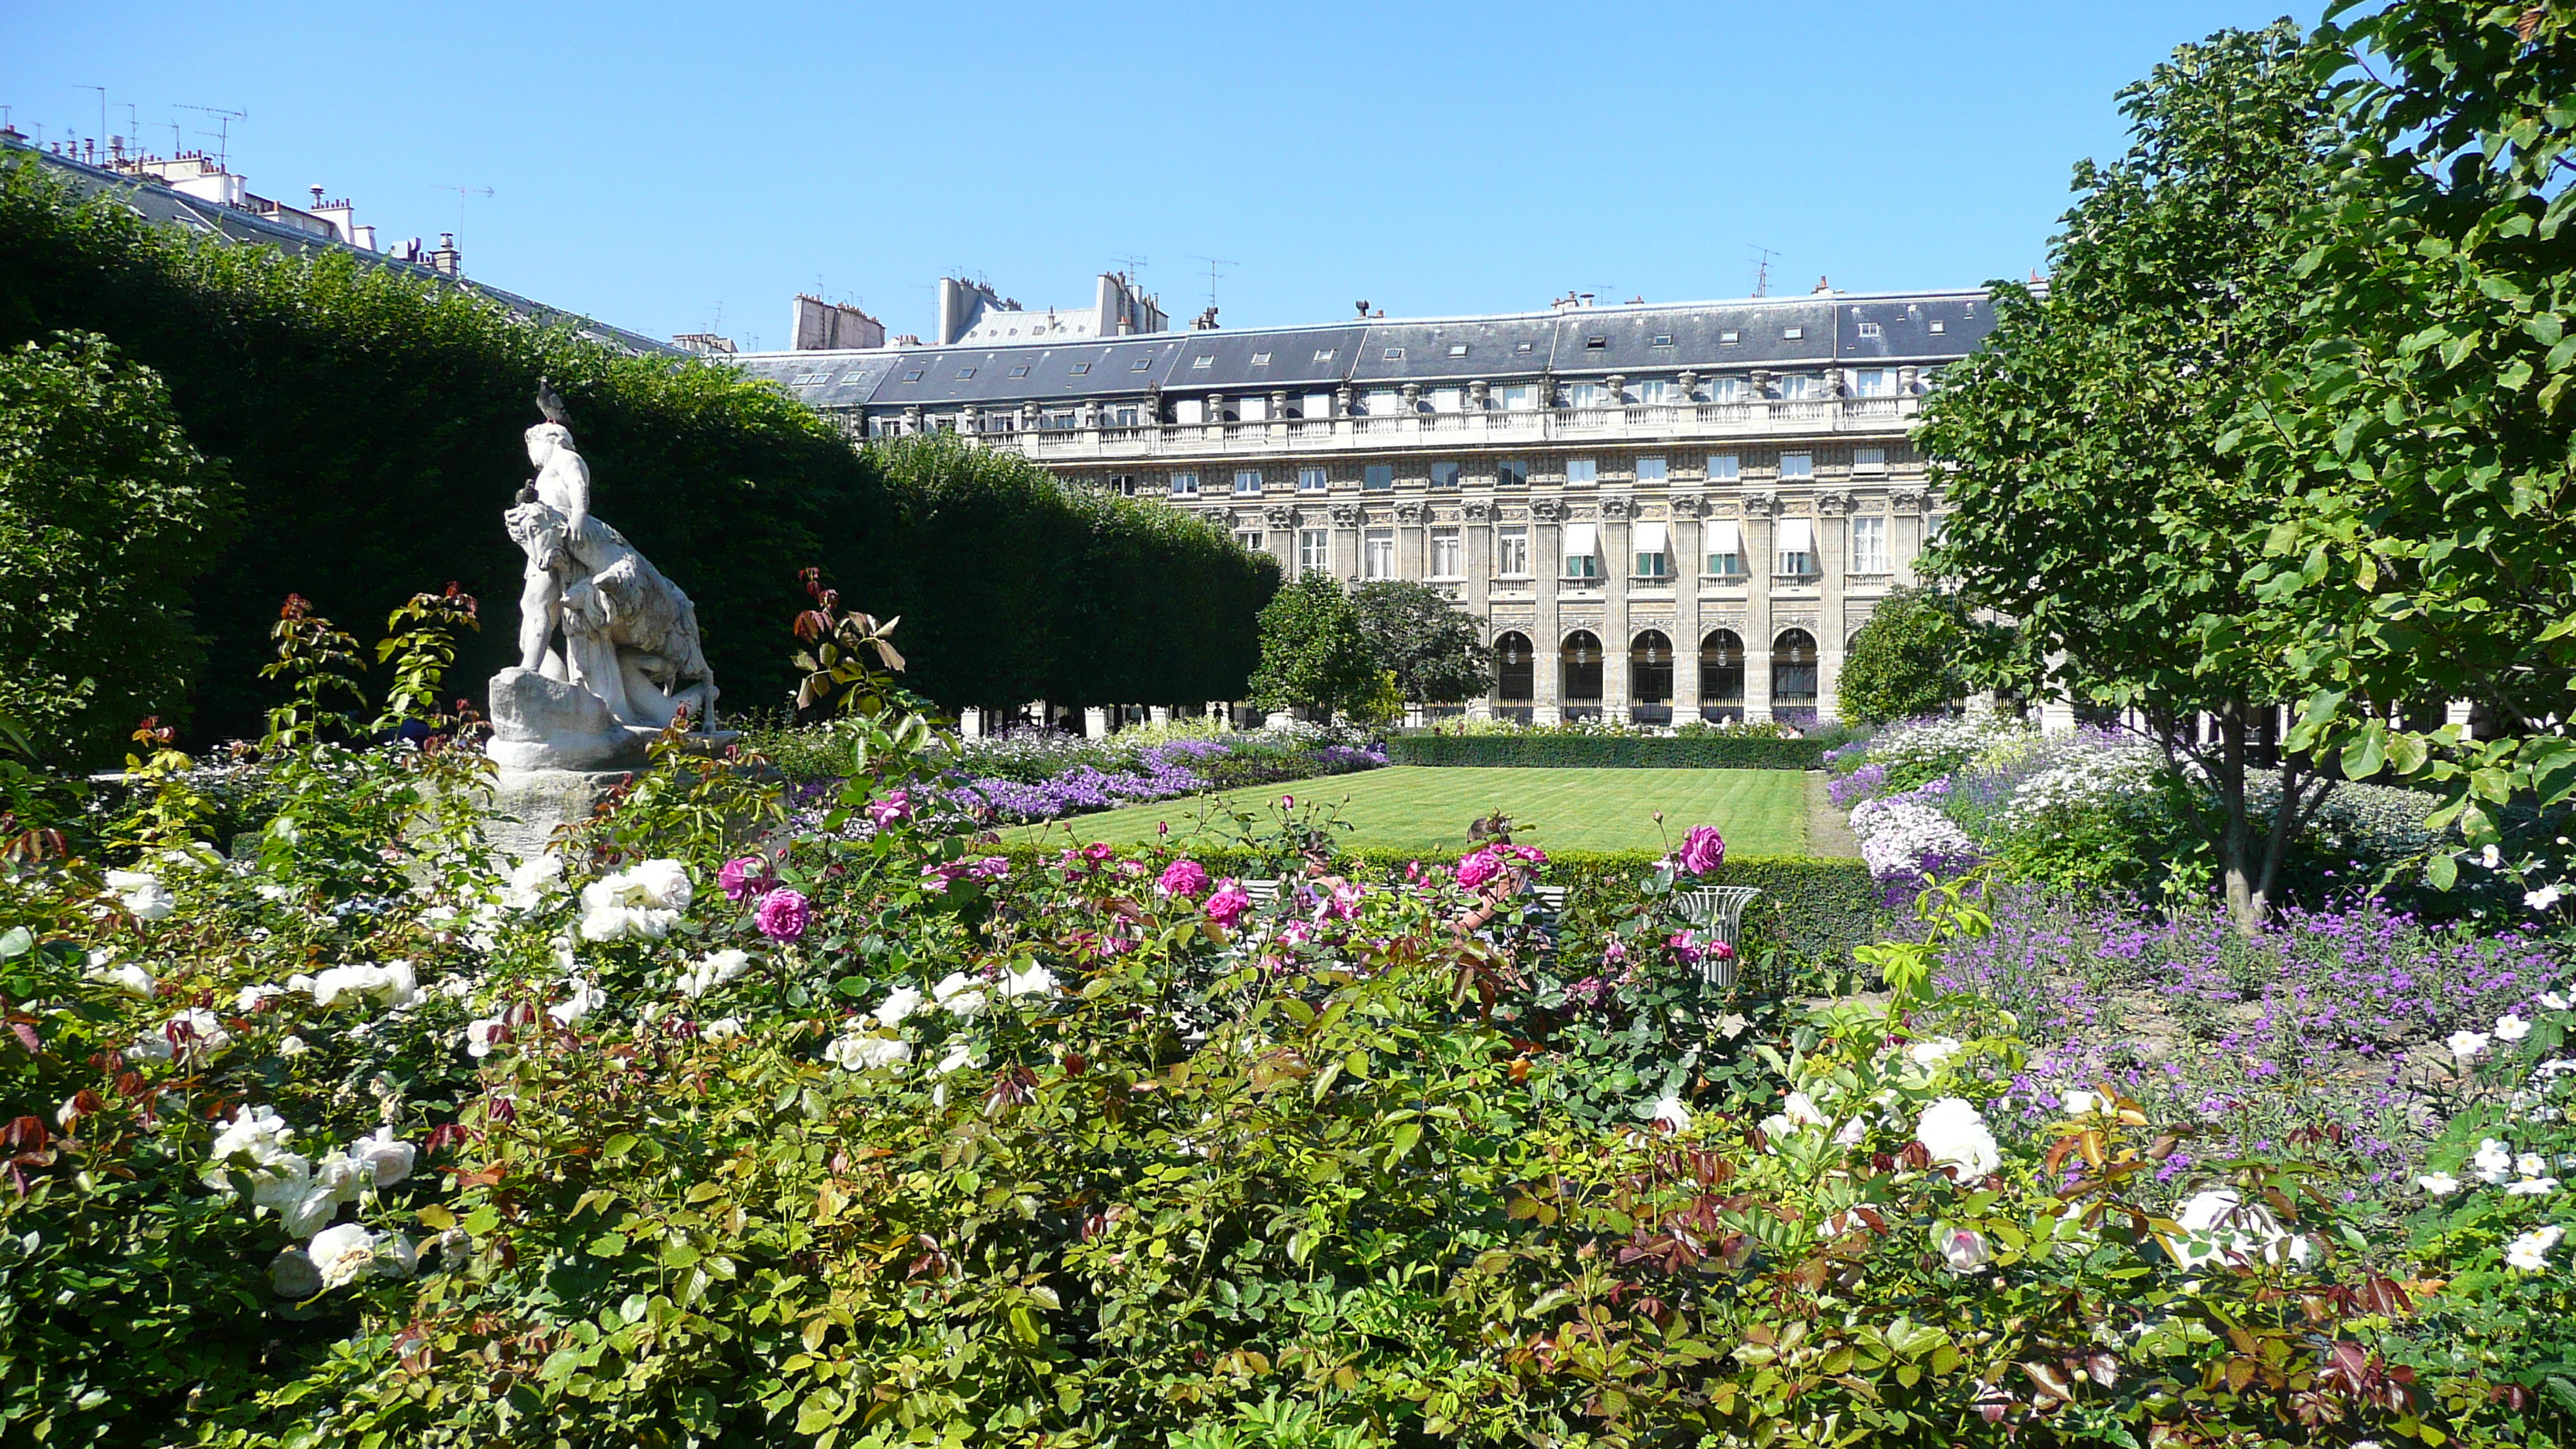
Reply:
x=447 y=259
x=1823 y=286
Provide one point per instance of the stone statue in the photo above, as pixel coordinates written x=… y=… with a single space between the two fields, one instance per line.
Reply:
x=629 y=661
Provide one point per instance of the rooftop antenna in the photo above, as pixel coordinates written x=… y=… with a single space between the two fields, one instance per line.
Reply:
x=224 y=131
x=1131 y=266
x=463 y=192
x=1761 y=269
x=102 y=108
x=1213 y=264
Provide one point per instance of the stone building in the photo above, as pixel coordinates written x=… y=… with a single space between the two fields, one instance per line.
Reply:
x=1659 y=513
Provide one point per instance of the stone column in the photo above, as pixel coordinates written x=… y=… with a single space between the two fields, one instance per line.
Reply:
x=1160 y=714
x=1095 y=723
x=970 y=723
x=1688 y=531
x=1616 y=560
x=1476 y=560
x=1412 y=541
x=1760 y=511
x=1347 y=519
x=1547 y=560
x=1833 y=558
x=1904 y=531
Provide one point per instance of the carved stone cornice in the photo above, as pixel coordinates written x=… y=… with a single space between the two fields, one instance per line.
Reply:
x=1280 y=517
x=1833 y=503
x=1412 y=515
x=1618 y=510
x=1478 y=510
x=1905 y=500
x=1346 y=515
x=1547 y=510
x=1761 y=505
x=1692 y=505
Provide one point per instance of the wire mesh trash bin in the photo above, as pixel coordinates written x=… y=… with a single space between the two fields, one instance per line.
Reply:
x=1718 y=910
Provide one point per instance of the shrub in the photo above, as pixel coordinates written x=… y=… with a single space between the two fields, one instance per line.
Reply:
x=1908 y=660
x=1715 y=751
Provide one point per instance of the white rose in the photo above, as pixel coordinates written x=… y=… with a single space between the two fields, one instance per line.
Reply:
x=664 y=884
x=530 y=880
x=1036 y=981
x=292 y=1046
x=340 y=1175
x=481 y=1034
x=343 y=1254
x=1965 y=1249
x=129 y=978
x=959 y=995
x=723 y=1028
x=901 y=1002
x=865 y=1053
x=1956 y=1136
x=960 y=1052
x=1673 y=1112
x=1931 y=1054
x=143 y=894
x=583 y=999
x=291 y=1274
x=385 y=1158
x=2493 y=1160
x=311 y=1212
x=247 y=1000
x=2249 y=1232
x=2081 y=1103
x=257 y=1131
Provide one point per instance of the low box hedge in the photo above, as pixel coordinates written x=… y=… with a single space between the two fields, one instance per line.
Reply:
x=1611 y=752
x=1811 y=908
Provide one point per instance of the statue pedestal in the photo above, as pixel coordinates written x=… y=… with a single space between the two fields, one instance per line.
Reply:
x=528 y=805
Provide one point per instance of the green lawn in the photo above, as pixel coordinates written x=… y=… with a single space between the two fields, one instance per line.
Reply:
x=1417 y=807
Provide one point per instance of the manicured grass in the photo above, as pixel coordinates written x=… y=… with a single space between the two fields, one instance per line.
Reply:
x=1415 y=807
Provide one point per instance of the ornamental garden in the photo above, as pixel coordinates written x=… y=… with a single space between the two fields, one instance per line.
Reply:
x=2196 y=1076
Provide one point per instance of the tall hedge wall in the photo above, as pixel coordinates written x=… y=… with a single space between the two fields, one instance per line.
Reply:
x=1710 y=752
x=373 y=420
x=1814 y=908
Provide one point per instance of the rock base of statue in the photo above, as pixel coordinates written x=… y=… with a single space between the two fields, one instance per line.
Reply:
x=540 y=723
x=529 y=806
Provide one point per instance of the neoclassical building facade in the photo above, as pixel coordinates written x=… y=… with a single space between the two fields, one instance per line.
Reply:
x=1658 y=513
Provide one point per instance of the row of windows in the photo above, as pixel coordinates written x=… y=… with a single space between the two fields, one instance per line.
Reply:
x=1510 y=473
x=1796 y=556
x=1379 y=402
x=1650 y=668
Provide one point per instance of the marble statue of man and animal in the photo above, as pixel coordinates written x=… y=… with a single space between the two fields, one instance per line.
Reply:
x=609 y=653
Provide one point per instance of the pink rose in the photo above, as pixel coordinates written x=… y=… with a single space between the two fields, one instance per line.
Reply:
x=1686 y=946
x=1530 y=853
x=1185 y=878
x=1096 y=852
x=782 y=914
x=1229 y=903
x=1703 y=850
x=894 y=807
x=1479 y=868
x=991 y=867
x=938 y=877
x=744 y=875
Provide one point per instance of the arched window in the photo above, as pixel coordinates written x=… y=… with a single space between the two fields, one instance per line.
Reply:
x=1650 y=669
x=1516 y=669
x=1793 y=670
x=1581 y=660
x=1721 y=670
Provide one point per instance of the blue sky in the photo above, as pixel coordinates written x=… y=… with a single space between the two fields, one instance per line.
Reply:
x=688 y=167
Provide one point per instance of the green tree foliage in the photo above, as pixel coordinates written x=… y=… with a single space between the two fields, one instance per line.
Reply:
x=1315 y=653
x=106 y=513
x=1906 y=661
x=1437 y=654
x=2087 y=448
x=2428 y=430
x=373 y=422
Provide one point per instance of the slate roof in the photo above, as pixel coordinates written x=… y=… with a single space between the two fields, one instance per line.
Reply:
x=1778 y=333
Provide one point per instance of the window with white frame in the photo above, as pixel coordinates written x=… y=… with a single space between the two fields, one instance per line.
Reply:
x=1797 y=386
x=1869 y=460
x=1378 y=477
x=1520 y=397
x=1651 y=470
x=1377 y=553
x=1314 y=551
x=1185 y=485
x=1447 y=399
x=1586 y=395
x=1725 y=549
x=1797 y=465
x=1385 y=402
x=1869 y=545
x=1655 y=390
x=1311 y=480
x=1444 y=475
x=1123 y=484
x=1726 y=389
x=1651 y=541
x=1582 y=470
x=1448 y=554
x=1724 y=468
x=1125 y=417
x=1252 y=540
x=1874 y=382
x=1796 y=547
x=1511 y=551
x=1511 y=473
x=1247 y=480
x=1582 y=550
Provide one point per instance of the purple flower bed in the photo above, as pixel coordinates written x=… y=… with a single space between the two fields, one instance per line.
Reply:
x=2329 y=1018
x=1167 y=771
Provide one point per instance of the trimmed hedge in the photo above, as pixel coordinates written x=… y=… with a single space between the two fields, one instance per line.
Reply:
x=1810 y=908
x=1608 y=752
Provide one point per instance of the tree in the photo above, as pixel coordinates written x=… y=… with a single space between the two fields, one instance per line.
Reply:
x=1435 y=651
x=1907 y=660
x=2429 y=431
x=1315 y=654
x=107 y=513
x=2087 y=449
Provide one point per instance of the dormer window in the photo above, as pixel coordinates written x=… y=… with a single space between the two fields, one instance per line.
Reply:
x=1020 y=371
x=1664 y=340
x=1395 y=354
x=1457 y=349
x=1793 y=334
x=1595 y=344
x=1204 y=359
x=964 y=373
x=1261 y=359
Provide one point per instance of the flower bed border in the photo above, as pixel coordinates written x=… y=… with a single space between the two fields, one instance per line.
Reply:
x=1606 y=752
